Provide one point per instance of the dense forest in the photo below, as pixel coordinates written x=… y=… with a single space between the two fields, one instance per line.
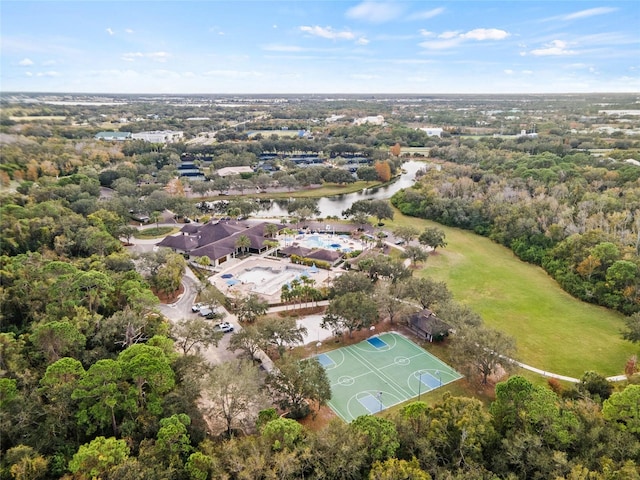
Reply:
x=96 y=383
x=576 y=215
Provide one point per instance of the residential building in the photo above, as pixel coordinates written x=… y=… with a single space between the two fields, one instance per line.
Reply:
x=433 y=131
x=373 y=120
x=113 y=136
x=159 y=136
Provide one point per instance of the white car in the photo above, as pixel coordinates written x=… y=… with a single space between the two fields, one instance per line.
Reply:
x=196 y=307
x=224 y=327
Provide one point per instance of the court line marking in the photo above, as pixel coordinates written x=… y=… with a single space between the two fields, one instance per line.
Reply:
x=388 y=380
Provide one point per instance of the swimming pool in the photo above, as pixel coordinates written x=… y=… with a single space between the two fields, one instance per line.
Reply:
x=269 y=280
x=328 y=242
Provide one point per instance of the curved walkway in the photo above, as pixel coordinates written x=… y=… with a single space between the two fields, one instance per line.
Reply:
x=544 y=373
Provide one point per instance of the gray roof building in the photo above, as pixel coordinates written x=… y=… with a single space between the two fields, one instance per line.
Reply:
x=113 y=136
x=427 y=325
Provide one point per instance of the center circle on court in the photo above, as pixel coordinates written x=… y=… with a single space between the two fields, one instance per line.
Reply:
x=401 y=361
x=346 y=381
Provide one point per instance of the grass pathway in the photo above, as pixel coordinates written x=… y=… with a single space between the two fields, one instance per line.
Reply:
x=554 y=331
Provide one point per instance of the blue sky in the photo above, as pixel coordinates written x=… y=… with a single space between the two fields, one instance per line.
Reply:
x=324 y=46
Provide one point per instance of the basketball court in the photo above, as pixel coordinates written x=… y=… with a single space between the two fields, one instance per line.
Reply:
x=381 y=372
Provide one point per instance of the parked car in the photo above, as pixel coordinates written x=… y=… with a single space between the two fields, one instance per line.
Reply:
x=196 y=307
x=224 y=327
x=205 y=311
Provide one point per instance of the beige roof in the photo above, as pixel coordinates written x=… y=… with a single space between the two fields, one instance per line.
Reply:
x=226 y=171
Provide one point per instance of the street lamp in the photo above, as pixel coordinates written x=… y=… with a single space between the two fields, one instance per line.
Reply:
x=439 y=377
x=380 y=400
x=419 y=385
x=318 y=345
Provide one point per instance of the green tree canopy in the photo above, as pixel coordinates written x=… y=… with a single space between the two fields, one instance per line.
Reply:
x=351 y=311
x=623 y=408
x=297 y=381
x=98 y=457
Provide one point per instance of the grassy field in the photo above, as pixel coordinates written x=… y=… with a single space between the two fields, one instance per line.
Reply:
x=39 y=118
x=155 y=232
x=554 y=331
x=326 y=190
x=278 y=133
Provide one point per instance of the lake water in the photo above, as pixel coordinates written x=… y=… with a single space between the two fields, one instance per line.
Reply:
x=334 y=205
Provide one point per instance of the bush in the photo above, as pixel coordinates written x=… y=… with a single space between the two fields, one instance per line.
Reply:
x=309 y=262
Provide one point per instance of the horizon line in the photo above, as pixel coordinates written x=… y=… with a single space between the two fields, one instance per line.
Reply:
x=595 y=92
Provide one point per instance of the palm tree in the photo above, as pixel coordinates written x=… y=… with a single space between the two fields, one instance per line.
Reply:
x=271 y=229
x=287 y=232
x=272 y=244
x=285 y=294
x=243 y=242
x=155 y=218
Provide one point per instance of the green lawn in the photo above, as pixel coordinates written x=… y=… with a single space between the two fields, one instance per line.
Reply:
x=155 y=232
x=554 y=331
x=326 y=190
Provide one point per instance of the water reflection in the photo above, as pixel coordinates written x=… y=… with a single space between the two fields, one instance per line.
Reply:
x=334 y=205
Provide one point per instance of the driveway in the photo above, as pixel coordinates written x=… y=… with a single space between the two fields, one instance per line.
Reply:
x=180 y=310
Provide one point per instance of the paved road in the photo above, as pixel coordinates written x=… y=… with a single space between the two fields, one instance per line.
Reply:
x=180 y=310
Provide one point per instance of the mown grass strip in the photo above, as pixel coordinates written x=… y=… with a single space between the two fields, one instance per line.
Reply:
x=554 y=331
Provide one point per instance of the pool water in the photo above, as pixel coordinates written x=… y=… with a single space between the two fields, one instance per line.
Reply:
x=333 y=242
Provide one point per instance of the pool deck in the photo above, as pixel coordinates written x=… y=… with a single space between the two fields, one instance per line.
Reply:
x=271 y=289
x=322 y=240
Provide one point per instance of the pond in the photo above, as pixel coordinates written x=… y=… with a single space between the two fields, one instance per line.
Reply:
x=334 y=205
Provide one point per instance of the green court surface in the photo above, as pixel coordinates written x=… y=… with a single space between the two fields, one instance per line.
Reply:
x=381 y=372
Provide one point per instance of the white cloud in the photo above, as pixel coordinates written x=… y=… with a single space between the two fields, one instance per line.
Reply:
x=48 y=63
x=426 y=33
x=129 y=30
x=275 y=26
x=482 y=34
x=527 y=72
x=374 y=12
x=328 y=32
x=28 y=74
x=554 y=48
x=589 y=13
x=453 y=38
x=50 y=73
x=449 y=34
x=110 y=32
x=362 y=41
x=25 y=62
x=508 y=71
x=131 y=56
x=441 y=44
x=427 y=14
